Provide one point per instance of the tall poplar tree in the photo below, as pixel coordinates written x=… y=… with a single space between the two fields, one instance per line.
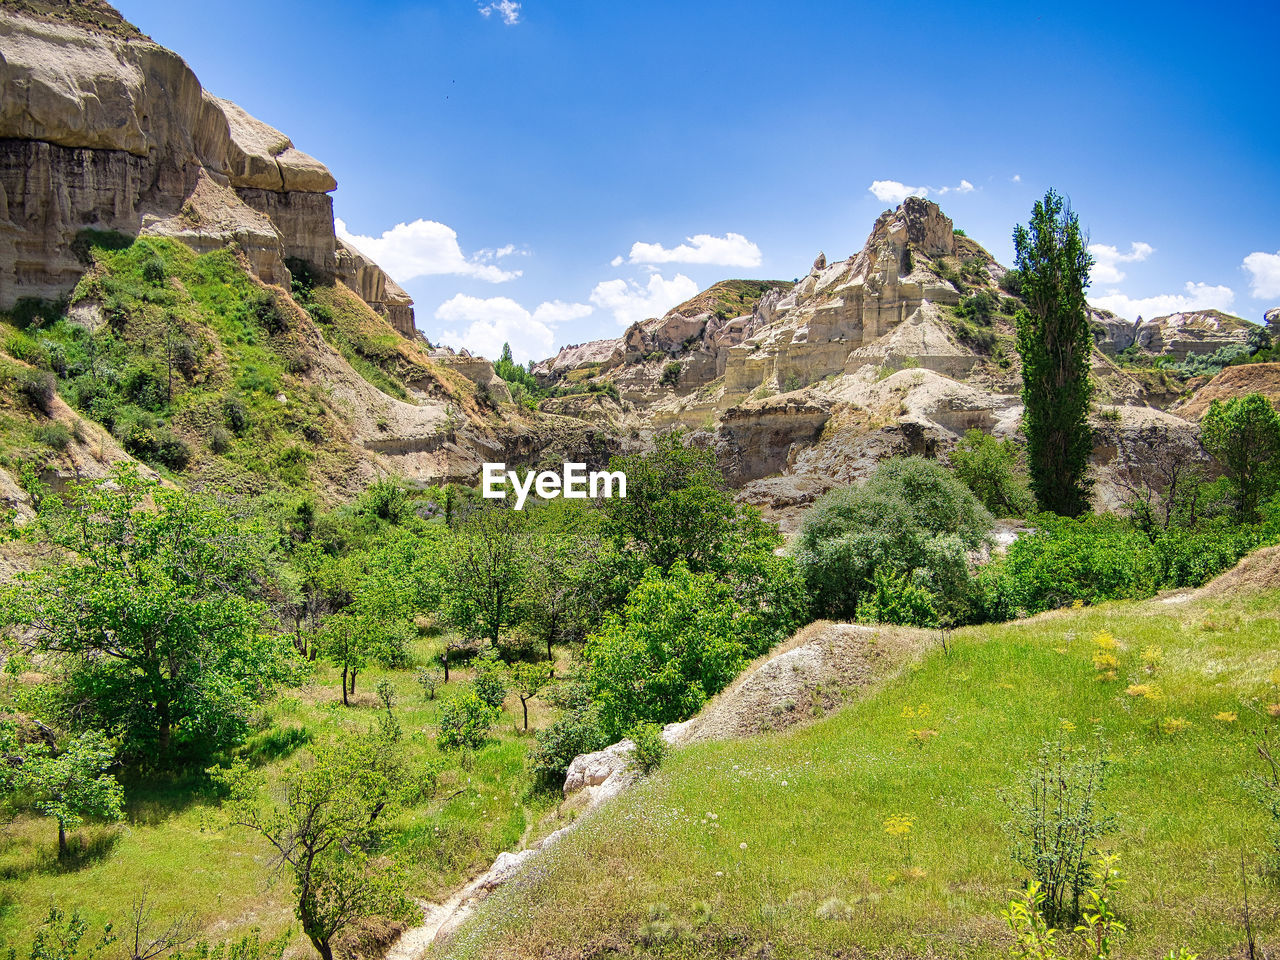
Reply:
x=1055 y=343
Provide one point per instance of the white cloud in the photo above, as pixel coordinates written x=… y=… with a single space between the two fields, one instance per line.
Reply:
x=1016 y=178
x=421 y=249
x=894 y=191
x=617 y=261
x=491 y=322
x=508 y=10
x=488 y=256
x=629 y=302
x=1265 y=270
x=1198 y=296
x=731 y=250
x=1106 y=257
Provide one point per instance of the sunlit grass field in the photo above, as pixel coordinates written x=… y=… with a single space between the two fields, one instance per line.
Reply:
x=174 y=847
x=777 y=846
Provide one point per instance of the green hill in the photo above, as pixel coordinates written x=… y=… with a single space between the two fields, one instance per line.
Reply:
x=777 y=845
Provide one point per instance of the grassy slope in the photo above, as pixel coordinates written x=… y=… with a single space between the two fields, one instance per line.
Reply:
x=810 y=806
x=174 y=845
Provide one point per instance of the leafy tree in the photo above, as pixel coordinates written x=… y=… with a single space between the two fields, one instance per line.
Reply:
x=564 y=557
x=325 y=823
x=1243 y=434
x=60 y=936
x=1162 y=474
x=910 y=517
x=678 y=508
x=486 y=571
x=675 y=645
x=73 y=783
x=893 y=598
x=153 y=613
x=1055 y=343
x=528 y=680
x=991 y=468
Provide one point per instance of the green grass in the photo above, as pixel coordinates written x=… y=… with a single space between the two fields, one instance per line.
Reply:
x=810 y=805
x=174 y=845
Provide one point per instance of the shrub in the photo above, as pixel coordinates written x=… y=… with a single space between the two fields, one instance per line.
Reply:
x=671 y=374
x=429 y=681
x=153 y=271
x=576 y=731
x=465 y=720
x=386 y=500
x=893 y=598
x=991 y=468
x=491 y=679
x=235 y=414
x=1011 y=283
x=1243 y=435
x=1057 y=823
x=56 y=436
x=146 y=387
x=650 y=748
x=38 y=386
x=1091 y=559
x=911 y=517
x=219 y=438
x=675 y=644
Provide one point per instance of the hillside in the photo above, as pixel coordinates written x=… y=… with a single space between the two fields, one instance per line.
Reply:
x=776 y=844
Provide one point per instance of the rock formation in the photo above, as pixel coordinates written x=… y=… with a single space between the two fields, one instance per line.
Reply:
x=102 y=129
x=1177 y=335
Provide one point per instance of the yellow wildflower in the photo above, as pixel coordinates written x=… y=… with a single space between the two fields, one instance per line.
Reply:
x=899 y=825
x=1225 y=717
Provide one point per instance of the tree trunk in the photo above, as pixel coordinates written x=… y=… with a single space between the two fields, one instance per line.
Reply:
x=165 y=726
x=525 y=703
x=353 y=681
x=62 y=841
x=446 y=663
x=344 y=688
x=549 y=656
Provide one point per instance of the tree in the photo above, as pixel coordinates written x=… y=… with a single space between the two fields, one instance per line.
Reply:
x=564 y=563
x=152 y=611
x=486 y=569
x=72 y=784
x=1161 y=473
x=325 y=826
x=675 y=645
x=678 y=508
x=1243 y=434
x=528 y=679
x=1055 y=343
x=911 y=517
x=991 y=468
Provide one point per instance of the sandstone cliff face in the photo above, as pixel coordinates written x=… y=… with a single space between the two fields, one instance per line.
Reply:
x=106 y=130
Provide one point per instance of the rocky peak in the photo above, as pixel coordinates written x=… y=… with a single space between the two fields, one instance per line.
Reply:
x=918 y=222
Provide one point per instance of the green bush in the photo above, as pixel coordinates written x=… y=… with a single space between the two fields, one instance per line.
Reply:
x=38 y=386
x=1091 y=559
x=893 y=598
x=56 y=436
x=491 y=679
x=576 y=731
x=992 y=469
x=465 y=720
x=675 y=645
x=910 y=517
x=650 y=748
x=671 y=374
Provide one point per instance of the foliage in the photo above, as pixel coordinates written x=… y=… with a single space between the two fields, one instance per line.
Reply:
x=993 y=470
x=153 y=614
x=61 y=937
x=678 y=508
x=910 y=517
x=650 y=747
x=465 y=720
x=674 y=645
x=576 y=731
x=671 y=374
x=528 y=680
x=1055 y=343
x=487 y=565
x=1057 y=823
x=1243 y=434
x=491 y=678
x=326 y=828
x=894 y=598
x=71 y=783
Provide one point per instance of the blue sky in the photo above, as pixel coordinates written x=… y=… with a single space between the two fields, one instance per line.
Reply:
x=528 y=148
